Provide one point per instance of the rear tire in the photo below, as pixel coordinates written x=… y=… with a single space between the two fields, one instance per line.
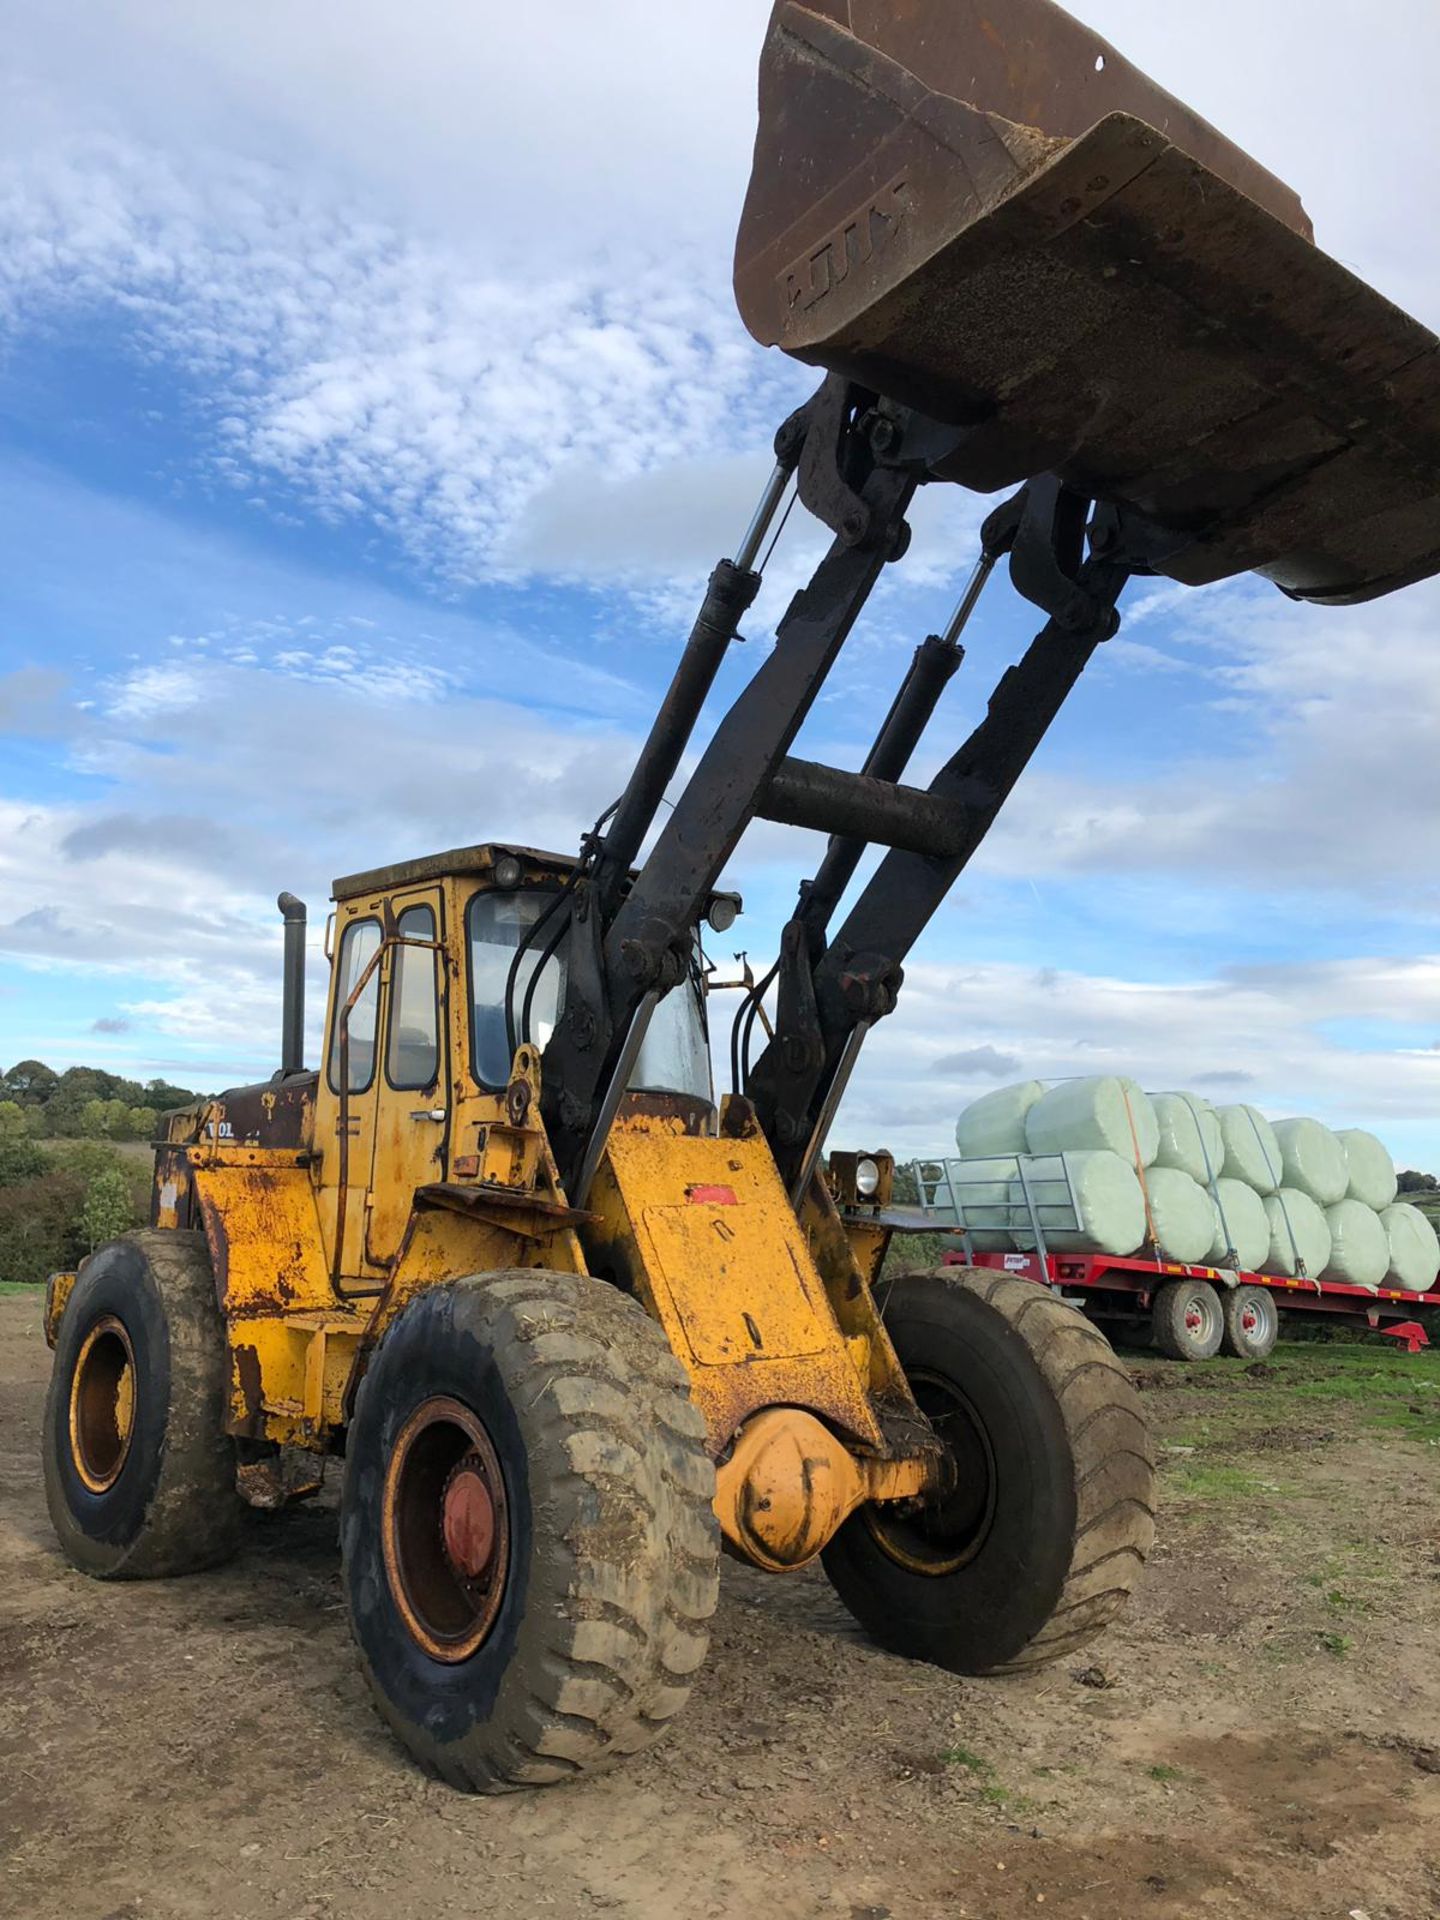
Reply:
x=1186 y=1321
x=139 y=1471
x=1252 y=1323
x=550 y=1614
x=1045 y=1535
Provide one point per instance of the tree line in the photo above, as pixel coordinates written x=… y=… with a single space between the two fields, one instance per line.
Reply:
x=65 y=1184
x=82 y=1103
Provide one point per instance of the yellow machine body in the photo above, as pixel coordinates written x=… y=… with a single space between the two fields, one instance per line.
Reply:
x=326 y=1210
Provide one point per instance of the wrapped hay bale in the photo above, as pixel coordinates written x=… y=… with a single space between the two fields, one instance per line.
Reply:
x=1190 y=1139
x=991 y=1214
x=1252 y=1153
x=1414 y=1249
x=1107 y=1114
x=1359 y=1247
x=1182 y=1214
x=1314 y=1160
x=1371 y=1170
x=1109 y=1212
x=1242 y=1225
x=1297 y=1227
x=995 y=1123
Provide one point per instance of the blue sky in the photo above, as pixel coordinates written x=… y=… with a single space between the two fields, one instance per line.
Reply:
x=372 y=406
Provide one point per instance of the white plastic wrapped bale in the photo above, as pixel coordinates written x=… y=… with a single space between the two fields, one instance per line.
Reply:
x=1190 y=1139
x=988 y=1205
x=1359 y=1248
x=1297 y=1226
x=1109 y=1213
x=1314 y=1160
x=1182 y=1213
x=1414 y=1249
x=1106 y=1114
x=1371 y=1170
x=995 y=1123
x=1241 y=1224
x=1252 y=1153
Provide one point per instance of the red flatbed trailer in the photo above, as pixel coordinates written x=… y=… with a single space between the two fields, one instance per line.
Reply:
x=1107 y=1286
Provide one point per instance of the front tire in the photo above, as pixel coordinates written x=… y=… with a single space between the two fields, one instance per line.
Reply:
x=531 y=1557
x=1252 y=1323
x=1186 y=1321
x=139 y=1471
x=1052 y=1515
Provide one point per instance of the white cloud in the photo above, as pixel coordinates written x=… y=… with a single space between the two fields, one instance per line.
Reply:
x=1330 y=771
x=1258 y=1033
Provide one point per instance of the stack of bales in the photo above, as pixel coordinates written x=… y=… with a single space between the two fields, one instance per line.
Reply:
x=1215 y=1186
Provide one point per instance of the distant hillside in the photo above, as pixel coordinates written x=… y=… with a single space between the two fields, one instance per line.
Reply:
x=82 y=1103
x=1422 y=1190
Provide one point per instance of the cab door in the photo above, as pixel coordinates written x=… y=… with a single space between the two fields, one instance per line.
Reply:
x=411 y=1131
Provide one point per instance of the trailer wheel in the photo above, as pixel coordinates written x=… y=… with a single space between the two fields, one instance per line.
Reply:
x=1186 y=1321
x=530 y=1551
x=139 y=1472
x=1045 y=1533
x=1252 y=1323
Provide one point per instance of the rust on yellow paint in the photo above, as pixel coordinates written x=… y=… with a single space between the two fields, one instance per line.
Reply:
x=788 y=1484
x=289 y=1373
x=703 y=1231
x=263 y=1230
x=58 y=1289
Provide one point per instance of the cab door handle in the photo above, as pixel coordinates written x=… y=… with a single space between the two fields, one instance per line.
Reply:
x=436 y=1114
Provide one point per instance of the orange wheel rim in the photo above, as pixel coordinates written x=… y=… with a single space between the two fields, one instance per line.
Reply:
x=445 y=1529
x=102 y=1404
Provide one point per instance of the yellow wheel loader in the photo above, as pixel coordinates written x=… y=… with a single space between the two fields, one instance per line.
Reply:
x=572 y=1324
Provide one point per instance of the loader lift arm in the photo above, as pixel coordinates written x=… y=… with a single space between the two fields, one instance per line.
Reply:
x=858 y=461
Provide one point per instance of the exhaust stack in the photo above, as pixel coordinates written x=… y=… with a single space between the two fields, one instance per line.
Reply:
x=292 y=1018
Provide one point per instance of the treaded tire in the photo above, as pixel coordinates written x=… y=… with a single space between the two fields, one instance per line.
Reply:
x=1187 y=1321
x=1257 y=1305
x=613 y=1548
x=173 y=1507
x=1052 y=1418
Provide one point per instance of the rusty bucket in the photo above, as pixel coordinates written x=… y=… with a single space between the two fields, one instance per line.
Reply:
x=984 y=211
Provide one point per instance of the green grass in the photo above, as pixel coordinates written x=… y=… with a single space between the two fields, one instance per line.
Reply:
x=1165 y=1773
x=1212 y=1480
x=962 y=1757
x=21 y=1286
x=1337 y=1645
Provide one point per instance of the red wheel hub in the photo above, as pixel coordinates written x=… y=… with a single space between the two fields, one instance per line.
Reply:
x=468 y=1519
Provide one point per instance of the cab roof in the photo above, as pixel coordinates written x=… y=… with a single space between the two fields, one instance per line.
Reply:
x=537 y=866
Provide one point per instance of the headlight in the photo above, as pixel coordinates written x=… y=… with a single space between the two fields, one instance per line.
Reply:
x=723 y=909
x=867 y=1178
x=507 y=871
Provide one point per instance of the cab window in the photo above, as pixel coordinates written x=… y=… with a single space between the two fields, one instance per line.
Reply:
x=412 y=1058
x=496 y=923
x=358 y=946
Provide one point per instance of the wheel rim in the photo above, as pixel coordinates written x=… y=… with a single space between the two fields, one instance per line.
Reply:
x=1249 y=1320
x=1199 y=1319
x=941 y=1534
x=445 y=1529
x=102 y=1404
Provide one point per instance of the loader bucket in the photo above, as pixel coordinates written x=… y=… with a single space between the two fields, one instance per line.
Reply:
x=978 y=208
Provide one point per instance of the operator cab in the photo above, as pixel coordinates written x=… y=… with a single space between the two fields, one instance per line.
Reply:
x=460 y=919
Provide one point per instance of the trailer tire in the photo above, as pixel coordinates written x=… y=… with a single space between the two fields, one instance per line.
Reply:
x=1186 y=1320
x=1046 y=1534
x=1252 y=1323
x=530 y=1552
x=139 y=1471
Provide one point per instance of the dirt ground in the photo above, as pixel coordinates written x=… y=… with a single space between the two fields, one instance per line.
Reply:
x=1259 y=1739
